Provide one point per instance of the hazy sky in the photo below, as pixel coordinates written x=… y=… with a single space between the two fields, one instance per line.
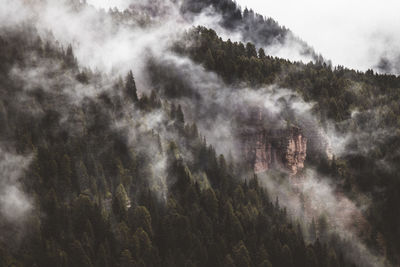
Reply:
x=354 y=33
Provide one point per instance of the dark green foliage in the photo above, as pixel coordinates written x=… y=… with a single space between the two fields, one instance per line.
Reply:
x=130 y=87
x=337 y=91
x=96 y=205
x=70 y=60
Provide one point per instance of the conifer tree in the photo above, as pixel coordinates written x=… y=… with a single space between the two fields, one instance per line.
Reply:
x=70 y=59
x=130 y=87
x=261 y=53
x=251 y=50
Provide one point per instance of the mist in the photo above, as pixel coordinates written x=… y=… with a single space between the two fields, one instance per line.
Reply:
x=356 y=34
x=102 y=46
x=310 y=195
x=15 y=205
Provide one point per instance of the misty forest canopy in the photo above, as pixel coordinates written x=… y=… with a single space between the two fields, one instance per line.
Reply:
x=157 y=162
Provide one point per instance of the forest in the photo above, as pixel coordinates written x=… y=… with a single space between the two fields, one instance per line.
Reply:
x=127 y=167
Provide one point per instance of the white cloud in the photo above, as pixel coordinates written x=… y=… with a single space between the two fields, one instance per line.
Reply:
x=106 y=4
x=14 y=203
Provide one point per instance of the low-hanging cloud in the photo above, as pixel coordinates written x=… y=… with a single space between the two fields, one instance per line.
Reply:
x=15 y=205
x=313 y=198
x=356 y=34
x=102 y=45
x=322 y=197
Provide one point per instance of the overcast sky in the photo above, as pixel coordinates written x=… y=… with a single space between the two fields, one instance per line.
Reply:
x=354 y=33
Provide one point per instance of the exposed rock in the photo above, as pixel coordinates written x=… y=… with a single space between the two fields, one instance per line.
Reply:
x=265 y=148
x=296 y=150
x=257 y=151
x=285 y=148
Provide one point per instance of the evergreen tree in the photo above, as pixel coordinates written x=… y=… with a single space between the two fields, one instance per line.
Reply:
x=70 y=59
x=261 y=53
x=251 y=50
x=130 y=87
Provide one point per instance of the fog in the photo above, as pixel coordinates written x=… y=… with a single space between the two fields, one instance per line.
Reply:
x=106 y=4
x=99 y=45
x=16 y=206
x=356 y=34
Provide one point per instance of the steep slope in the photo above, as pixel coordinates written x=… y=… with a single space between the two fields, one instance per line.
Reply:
x=253 y=27
x=107 y=174
x=98 y=194
x=120 y=180
x=353 y=103
x=231 y=19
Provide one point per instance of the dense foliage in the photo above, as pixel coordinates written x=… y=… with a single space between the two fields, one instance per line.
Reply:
x=109 y=189
x=363 y=104
x=97 y=200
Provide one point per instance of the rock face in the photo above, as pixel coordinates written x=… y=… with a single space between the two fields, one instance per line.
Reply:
x=275 y=149
x=296 y=150
x=257 y=151
x=265 y=148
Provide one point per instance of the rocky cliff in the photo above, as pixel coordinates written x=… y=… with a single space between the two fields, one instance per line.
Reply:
x=268 y=149
x=296 y=150
x=265 y=148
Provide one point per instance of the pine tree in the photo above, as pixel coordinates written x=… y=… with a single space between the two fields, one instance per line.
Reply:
x=251 y=50
x=70 y=59
x=261 y=53
x=130 y=87
x=241 y=255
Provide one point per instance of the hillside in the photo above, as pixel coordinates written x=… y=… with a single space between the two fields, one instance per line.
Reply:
x=126 y=143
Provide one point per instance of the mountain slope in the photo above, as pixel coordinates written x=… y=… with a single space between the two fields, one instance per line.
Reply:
x=109 y=167
x=255 y=28
x=96 y=196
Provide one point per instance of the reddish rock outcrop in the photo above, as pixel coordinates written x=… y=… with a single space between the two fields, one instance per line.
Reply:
x=265 y=148
x=296 y=151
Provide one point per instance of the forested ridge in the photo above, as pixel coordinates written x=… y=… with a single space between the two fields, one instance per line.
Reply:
x=338 y=92
x=95 y=206
x=254 y=27
x=118 y=175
